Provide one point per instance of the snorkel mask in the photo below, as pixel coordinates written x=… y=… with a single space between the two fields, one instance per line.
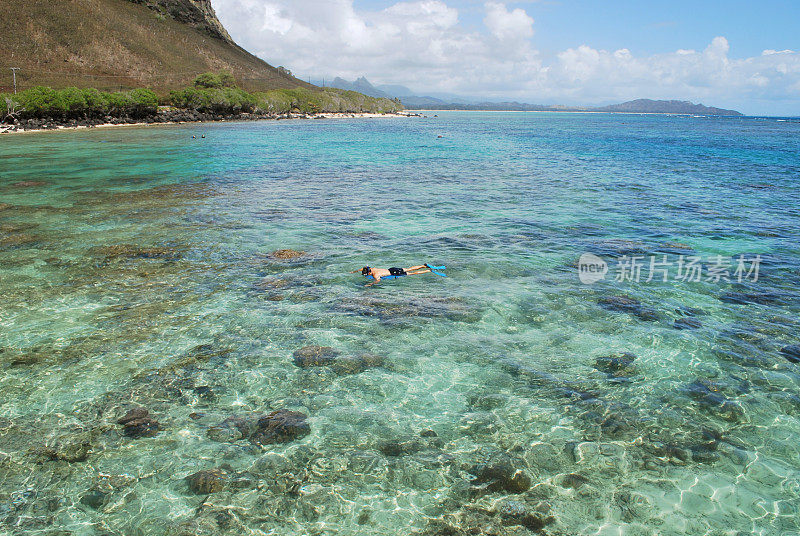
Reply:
x=366 y=270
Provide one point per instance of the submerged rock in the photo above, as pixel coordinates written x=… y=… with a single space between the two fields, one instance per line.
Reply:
x=232 y=429
x=399 y=447
x=506 y=517
x=17 y=358
x=17 y=227
x=17 y=240
x=500 y=475
x=704 y=454
x=572 y=480
x=133 y=414
x=616 y=247
x=685 y=310
x=675 y=454
x=286 y=254
x=687 y=322
x=94 y=499
x=324 y=356
x=702 y=389
x=207 y=481
x=707 y=439
x=620 y=422
x=314 y=356
x=357 y=364
x=626 y=304
x=514 y=513
x=129 y=251
x=165 y=196
x=570 y=389
x=204 y=392
x=398 y=309
x=141 y=428
x=202 y=353
x=648 y=314
x=280 y=426
x=617 y=365
x=70 y=448
x=137 y=423
x=620 y=303
x=273 y=283
x=747 y=298
x=243 y=480
x=791 y=352
x=486 y=402
x=675 y=248
x=710 y=396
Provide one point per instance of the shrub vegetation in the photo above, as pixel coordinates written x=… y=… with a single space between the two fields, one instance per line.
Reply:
x=214 y=93
x=226 y=101
x=215 y=80
x=75 y=103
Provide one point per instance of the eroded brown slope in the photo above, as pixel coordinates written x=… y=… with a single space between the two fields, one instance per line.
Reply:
x=113 y=44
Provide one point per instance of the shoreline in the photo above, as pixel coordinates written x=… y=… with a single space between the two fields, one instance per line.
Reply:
x=76 y=125
x=682 y=114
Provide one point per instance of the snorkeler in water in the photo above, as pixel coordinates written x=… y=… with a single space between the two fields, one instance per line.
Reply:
x=392 y=273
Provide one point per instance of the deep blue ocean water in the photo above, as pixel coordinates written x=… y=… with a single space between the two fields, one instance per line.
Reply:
x=137 y=270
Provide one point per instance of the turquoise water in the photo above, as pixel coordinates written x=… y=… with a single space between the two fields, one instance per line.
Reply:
x=136 y=270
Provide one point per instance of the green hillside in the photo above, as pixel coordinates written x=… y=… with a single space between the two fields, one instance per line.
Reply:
x=124 y=44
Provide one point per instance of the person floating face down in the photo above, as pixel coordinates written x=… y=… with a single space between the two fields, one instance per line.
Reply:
x=377 y=273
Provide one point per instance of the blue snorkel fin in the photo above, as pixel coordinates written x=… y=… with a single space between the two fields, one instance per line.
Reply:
x=434 y=269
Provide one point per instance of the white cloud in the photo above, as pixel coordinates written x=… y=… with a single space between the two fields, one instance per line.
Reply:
x=423 y=44
x=274 y=22
x=762 y=84
x=506 y=24
x=430 y=13
x=417 y=43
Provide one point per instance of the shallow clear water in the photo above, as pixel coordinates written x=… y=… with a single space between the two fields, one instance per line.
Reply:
x=135 y=271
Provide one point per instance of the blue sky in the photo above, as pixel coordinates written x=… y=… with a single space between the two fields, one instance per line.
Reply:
x=736 y=54
x=649 y=27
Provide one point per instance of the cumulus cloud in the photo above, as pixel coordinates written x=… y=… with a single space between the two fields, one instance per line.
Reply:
x=710 y=75
x=424 y=44
x=505 y=24
x=430 y=13
x=417 y=43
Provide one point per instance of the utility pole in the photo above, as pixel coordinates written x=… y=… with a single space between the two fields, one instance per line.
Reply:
x=14 y=75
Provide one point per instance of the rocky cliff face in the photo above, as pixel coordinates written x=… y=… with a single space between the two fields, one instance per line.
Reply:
x=196 y=13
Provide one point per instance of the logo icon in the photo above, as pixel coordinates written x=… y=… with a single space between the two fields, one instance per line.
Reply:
x=591 y=269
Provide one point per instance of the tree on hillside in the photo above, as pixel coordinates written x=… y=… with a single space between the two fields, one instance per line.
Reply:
x=215 y=80
x=13 y=109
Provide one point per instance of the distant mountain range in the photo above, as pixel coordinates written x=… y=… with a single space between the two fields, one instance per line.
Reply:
x=451 y=102
x=362 y=85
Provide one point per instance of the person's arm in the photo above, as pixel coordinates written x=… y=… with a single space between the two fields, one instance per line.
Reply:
x=375 y=279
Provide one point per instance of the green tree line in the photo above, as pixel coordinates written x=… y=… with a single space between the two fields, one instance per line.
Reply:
x=215 y=93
